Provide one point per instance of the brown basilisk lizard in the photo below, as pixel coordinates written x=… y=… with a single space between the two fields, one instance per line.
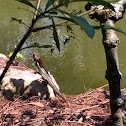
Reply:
x=45 y=75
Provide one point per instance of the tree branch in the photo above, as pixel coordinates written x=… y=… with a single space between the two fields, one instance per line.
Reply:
x=110 y=42
x=102 y=14
x=58 y=24
x=37 y=7
x=17 y=49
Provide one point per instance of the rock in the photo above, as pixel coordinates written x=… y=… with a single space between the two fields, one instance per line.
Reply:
x=25 y=81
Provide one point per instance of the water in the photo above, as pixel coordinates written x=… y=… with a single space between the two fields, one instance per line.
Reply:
x=81 y=63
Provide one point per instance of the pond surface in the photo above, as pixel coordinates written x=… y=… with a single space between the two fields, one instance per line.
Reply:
x=81 y=63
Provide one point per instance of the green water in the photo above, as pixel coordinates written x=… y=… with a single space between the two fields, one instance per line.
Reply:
x=81 y=63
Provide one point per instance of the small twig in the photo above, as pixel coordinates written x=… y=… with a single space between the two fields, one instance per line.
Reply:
x=37 y=7
x=103 y=86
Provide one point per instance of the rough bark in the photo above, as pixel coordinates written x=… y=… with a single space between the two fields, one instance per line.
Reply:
x=110 y=42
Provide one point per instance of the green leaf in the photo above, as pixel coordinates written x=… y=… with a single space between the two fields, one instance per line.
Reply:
x=10 y=54
x=53 y=12
x=80 y=21
x=55 y=36
x=15 y=19
x=19 y=55
x=99 y=2
x=106 y=26
x=19 y=21
x=49 y=3
x=84 y=25
x=26 y=2
x=47 y=46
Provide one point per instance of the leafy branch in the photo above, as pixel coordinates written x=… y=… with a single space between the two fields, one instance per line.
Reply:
x=17 y=49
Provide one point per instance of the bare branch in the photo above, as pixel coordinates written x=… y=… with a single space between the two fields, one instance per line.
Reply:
x=37 y=7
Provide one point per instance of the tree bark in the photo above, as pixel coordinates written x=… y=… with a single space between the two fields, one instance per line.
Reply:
x=110 y=42
x=113 y=75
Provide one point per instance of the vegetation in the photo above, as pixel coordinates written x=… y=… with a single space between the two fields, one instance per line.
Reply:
x=107 y=15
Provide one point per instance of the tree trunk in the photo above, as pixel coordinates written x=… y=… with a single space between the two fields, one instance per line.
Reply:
x=113 y=75
x=110 y=42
